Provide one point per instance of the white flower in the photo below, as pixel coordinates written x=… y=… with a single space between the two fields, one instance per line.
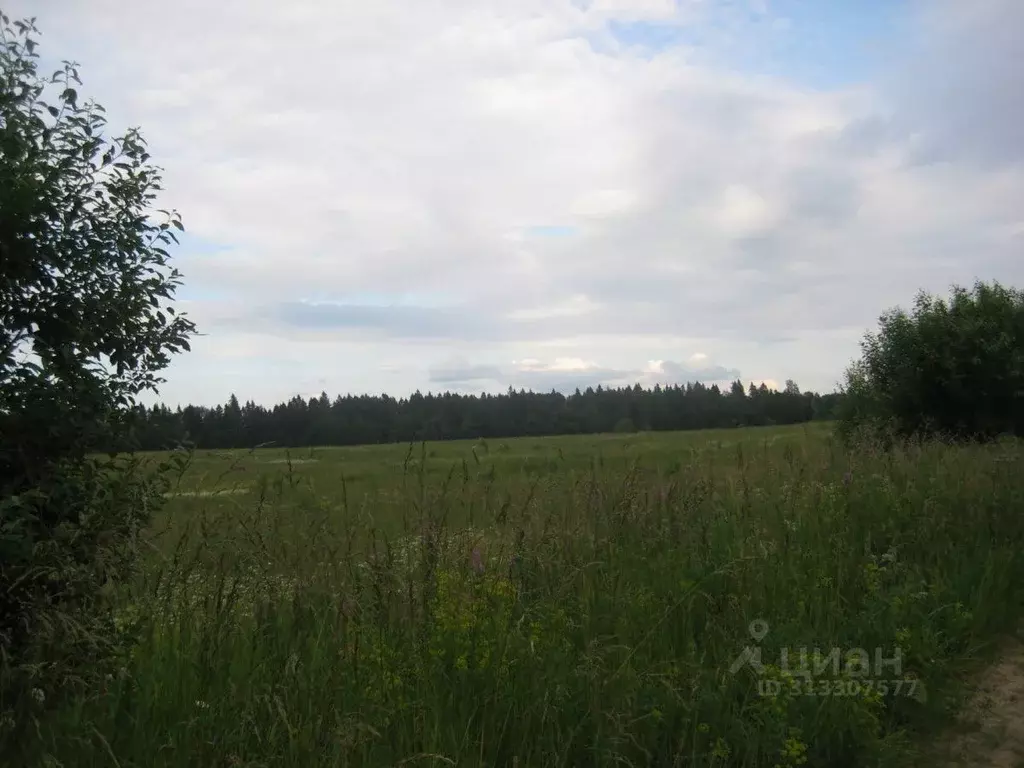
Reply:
x=38 y=695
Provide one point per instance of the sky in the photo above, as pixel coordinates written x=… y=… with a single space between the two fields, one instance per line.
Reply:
x=468 y=195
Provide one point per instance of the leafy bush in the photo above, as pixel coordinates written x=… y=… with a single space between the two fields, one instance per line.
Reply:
x=84 y=328
x=952 y=368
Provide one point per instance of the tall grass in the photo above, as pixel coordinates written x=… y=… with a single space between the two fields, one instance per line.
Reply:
x=590 y=620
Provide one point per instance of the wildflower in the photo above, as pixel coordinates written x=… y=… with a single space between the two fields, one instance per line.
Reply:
x=721 y=749
x=794 y=751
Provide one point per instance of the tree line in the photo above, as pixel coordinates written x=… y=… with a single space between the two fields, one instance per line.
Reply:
x=365 y=419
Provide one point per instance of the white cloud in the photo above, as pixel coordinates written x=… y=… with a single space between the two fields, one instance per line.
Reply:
x=574 y=306
x=563 y=364
x=742 y=212
x=342 y=150
x=599 y=203
x=635 y=10
x=566 y=374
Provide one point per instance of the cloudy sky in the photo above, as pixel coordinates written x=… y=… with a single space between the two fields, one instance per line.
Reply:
x=470 y=194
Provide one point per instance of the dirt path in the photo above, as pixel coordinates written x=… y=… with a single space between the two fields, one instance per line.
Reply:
x=990 y=731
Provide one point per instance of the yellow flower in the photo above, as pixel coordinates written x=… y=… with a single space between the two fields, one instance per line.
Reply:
x=794 y=751
x=721 y=749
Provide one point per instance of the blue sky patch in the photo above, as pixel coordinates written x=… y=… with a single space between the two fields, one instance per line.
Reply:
x=653 y=36
x=816 y=43
x=192 y=248
x=830 y=43
x=551 y=230
x=193 y=245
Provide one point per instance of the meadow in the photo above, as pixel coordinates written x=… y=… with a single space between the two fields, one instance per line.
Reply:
x=560 y=602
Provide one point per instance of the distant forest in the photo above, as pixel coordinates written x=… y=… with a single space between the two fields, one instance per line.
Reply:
x=367 y=419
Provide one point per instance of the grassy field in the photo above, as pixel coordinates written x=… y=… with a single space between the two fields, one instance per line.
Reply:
x=560 y=601
x=388 y=488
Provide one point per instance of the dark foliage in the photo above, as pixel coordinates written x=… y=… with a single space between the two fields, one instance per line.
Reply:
x=84 y=327
x=366 y=419
x=952 y=369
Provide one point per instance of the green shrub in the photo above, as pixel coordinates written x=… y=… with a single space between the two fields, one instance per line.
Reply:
x=84 y=327
x=952 y=368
